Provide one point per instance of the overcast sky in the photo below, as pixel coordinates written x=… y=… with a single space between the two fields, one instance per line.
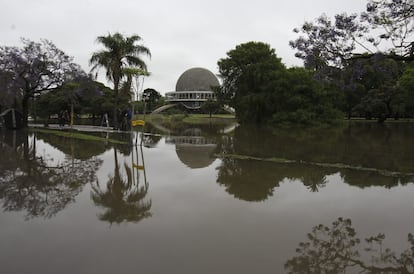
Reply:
x=181 y=34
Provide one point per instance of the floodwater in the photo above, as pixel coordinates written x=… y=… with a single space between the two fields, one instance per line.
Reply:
x=207 y=200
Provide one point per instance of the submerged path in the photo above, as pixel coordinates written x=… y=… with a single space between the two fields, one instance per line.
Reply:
x=77 y=127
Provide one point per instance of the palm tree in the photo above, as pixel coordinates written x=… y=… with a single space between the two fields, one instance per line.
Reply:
x=120 y=52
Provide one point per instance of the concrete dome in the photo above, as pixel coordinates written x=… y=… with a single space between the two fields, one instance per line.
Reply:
x=196 y=79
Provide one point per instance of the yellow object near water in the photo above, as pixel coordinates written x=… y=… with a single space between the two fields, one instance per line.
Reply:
x=137 y=123
x=138 y=166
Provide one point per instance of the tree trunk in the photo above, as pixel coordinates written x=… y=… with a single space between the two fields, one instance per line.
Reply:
x=25 y=110
x=115 y=114
x=115 y=111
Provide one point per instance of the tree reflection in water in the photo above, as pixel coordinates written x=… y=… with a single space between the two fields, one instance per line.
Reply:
x=256 y=180
x=254 y=162
x=31 y=182
x=337 y=248
x=122 y=198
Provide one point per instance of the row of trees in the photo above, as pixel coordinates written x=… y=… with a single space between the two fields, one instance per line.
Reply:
x=41 y=72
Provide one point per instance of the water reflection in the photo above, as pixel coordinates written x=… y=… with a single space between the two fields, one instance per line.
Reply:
x=257 y=180
x=365 y=145
x=337 y=248
x=195 y=145
x=78 y=149
x=255 y=161
x=37 y=183
x=193 y=148
x=124 y=196
x=192 y=219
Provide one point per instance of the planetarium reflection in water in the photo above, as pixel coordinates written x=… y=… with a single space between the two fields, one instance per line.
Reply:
x=193 y=149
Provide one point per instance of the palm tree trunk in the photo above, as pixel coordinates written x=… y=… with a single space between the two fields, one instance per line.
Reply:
x=115 y=111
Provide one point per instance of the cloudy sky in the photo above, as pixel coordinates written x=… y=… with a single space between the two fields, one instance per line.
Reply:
x=181 y=34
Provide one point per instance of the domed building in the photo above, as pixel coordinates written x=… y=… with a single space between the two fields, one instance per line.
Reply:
x=193 y=88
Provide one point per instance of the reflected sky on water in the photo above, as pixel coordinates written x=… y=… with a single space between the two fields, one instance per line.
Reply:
x=197 y=201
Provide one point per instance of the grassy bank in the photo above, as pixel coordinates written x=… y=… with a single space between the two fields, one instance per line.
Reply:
x=191 y=119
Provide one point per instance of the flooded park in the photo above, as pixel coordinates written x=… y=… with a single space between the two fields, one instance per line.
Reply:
x=207 y=200
x=264 y=137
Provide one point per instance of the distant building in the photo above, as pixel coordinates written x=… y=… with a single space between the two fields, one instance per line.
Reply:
x=193 y=88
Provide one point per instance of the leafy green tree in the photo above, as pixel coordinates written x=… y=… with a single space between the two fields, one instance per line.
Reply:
x=119 y=53
x=55 y=102
x=94 y=98
x=249 y=72
x=302 y=100
x=87 y=97
x=34 y=69
x=151 y=97
x=407 y=88
x=210 y=106
x=383 y=98
x=262 y=90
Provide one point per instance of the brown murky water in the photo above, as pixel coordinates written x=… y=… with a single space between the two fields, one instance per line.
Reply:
x=205 y=200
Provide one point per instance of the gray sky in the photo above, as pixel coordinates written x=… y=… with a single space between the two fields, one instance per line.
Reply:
x=181 y=34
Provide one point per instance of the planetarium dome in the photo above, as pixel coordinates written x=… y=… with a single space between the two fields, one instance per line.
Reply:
x=196 y=79
x=193 y=87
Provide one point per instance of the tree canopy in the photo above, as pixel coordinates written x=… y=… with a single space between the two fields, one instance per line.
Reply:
x=119 y=56
x=248 y=73
x=85 y=95
x=34 y=69
x=261 y=90
x=386 y=28
x=151 y=97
